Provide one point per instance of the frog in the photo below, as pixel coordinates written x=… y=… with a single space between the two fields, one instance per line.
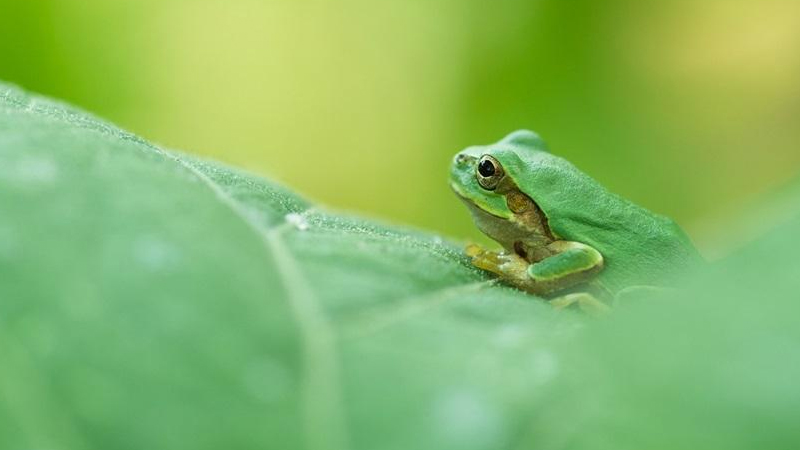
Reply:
x=564 y=236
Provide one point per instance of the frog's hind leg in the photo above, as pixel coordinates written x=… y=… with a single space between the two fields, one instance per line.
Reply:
x=587 y=303
x=632 y=294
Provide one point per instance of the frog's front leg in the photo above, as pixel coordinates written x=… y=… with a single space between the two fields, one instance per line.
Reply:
x=508 y=266
x=568 y=264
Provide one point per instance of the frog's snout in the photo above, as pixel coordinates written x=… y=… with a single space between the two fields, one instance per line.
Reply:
x=460 y=170
x=462 y=160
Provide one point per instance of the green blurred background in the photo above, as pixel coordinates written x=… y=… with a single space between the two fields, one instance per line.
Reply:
x=691 y=108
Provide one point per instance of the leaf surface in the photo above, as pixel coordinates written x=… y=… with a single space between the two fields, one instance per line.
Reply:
x=155 y=300
x=150 y=299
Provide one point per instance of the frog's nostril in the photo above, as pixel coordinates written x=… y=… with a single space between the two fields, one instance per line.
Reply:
x=462 y=158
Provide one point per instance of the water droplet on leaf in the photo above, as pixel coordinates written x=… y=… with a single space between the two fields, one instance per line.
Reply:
x=297 y=220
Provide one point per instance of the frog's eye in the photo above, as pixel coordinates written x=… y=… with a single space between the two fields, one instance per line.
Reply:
x=489 y=172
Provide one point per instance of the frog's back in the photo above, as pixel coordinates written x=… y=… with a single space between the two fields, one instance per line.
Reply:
x=639 y=247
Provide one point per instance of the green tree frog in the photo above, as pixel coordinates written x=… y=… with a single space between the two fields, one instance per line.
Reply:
x=564 y=236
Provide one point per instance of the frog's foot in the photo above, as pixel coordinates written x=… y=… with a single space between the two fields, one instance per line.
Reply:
x=509 y=266
x=587 y=303
x=632 y=294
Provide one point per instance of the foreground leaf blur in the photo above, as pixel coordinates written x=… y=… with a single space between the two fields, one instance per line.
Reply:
x=149 y=299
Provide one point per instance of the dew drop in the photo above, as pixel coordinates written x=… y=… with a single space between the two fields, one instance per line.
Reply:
x=297 y=221
x=509 y=336
x=464 y=419
x=155 y=253
x=30 y=171
x=38 y=170
x=544 y=366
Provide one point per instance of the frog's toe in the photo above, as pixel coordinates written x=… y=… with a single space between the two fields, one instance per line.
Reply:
x=587 y=303
x=633 y=294
x=488 y=261
x=473 y=250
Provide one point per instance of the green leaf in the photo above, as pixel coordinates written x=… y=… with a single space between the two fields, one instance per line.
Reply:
x=154 y=300
x=150 y=299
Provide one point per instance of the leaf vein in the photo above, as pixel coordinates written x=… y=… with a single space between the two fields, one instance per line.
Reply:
x=321 y=397
x=379 y=319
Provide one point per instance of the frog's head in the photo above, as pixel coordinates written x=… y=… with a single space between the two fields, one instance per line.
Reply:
x=493 y=179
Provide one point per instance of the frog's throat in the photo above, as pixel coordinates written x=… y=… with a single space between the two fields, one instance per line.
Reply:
x=534 y=220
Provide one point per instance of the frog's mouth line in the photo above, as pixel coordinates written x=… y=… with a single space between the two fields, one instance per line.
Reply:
x=456 y=189
x=471 y=204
